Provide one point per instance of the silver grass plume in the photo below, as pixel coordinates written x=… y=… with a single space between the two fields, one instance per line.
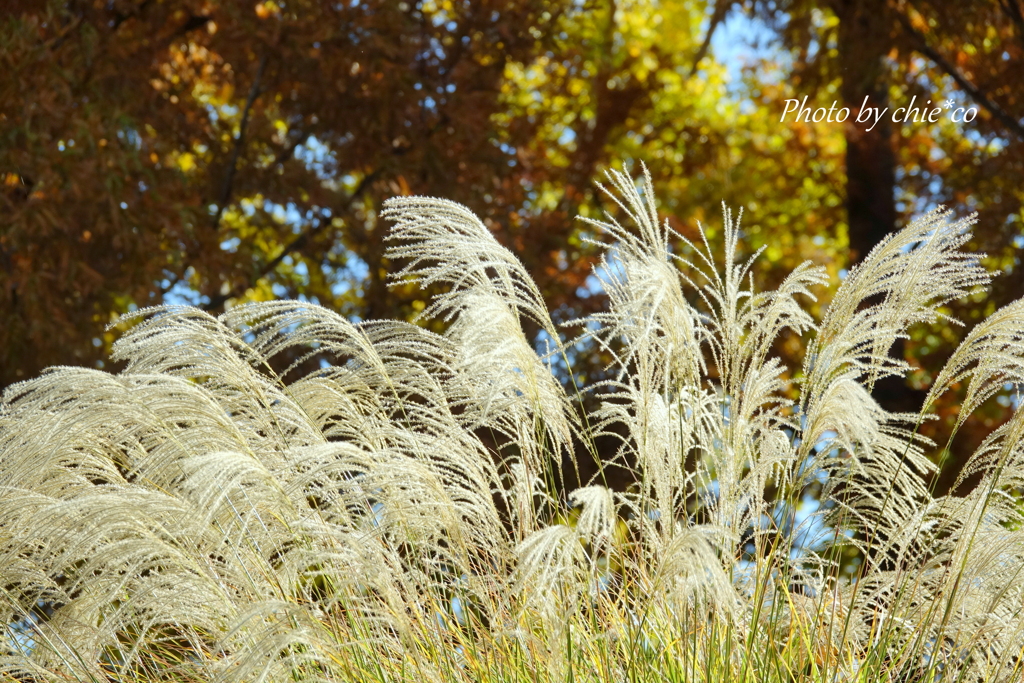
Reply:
x=211 y=513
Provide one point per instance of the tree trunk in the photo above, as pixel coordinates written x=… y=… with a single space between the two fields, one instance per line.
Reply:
x=864 y=39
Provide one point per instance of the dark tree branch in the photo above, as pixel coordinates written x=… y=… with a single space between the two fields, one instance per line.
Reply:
x=121 y=17
x=282 y=156
x=1016 y=13
x=194 y=22
x=721 y=9
x=297 y=243
x=229 y=180
x=1012 y=124
x=286 y=152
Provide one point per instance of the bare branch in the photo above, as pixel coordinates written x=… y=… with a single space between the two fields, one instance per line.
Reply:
x=297 y=243
x=229 y=180
x=1009 y=122
x=1016 y=13
x=721 y=9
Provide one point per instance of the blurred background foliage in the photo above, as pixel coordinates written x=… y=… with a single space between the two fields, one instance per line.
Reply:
x=215 y=151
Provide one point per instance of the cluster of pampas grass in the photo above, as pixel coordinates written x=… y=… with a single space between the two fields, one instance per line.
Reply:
x=398 y=513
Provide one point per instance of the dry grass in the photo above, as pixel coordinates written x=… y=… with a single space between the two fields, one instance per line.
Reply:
x=396 y=515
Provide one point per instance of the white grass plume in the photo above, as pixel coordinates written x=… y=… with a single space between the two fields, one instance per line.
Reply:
x=396 y=513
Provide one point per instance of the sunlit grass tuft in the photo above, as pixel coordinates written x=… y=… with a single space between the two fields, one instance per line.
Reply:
x=401 y=513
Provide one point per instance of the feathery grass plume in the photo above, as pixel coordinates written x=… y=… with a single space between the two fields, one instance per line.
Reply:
x=489 y=290
x=218 y=512
x=991 y=355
